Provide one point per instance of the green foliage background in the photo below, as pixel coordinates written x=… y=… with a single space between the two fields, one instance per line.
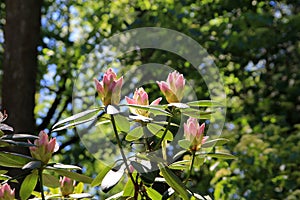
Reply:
x=256 y=46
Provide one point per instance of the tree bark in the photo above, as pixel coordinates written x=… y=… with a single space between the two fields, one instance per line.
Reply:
x=21 y=35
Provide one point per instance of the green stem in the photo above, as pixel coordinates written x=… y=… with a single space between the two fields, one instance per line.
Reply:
x=164 y=134
x=121 y=150
x=191 y=166
x=41 y=183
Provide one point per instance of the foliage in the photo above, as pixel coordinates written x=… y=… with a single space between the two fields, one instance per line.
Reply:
x=255 y=44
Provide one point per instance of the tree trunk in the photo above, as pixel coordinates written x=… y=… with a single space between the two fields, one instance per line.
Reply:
x=21 y=36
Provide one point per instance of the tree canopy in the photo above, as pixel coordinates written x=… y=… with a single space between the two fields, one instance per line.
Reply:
x=254 y=44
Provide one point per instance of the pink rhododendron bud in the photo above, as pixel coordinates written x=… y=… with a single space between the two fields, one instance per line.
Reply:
x=194 y=133
x=173 y=88
x=6 y=193
x=109 y=89
x=66 y=186
x=140 y=97
x=43 y=148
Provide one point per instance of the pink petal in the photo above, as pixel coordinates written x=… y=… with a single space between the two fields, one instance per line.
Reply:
x=130 y=101
x=99 y=87
x=156 y=101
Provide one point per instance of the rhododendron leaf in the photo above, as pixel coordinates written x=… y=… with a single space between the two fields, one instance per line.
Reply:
x=128 y=189
x=81 y=196
x=19 y=136
x=153 y=194
x=198 y=114
x=184 y=143
x=112 y=178
x=50 y=181
x=72 y=175
x=112 y=110
x=218 y=155
x=63 y=166
x=77 y=116
x=156 y=110
x=28 y=185
x=12 y=142
x=33 y=165
x=158 y=131
x=205 y=103
x=135 y=134
x=122 y=123
x=179 y=105
x=180 y=165
x=174 y=182
x=13 y=159
x=215 y=142
x=5 y=127
x=97 y=181
x=140 y=117
x=79 y=188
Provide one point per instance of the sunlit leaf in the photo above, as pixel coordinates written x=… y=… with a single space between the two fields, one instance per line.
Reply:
x=174 y=182
x=215 y=142
x=122 y=123
x=33 y=165
x=28 y=185
x=72 y=175
x=77 y=116
x=97 y=181
x=135 y=134
x=13 y=159
x=50 y=181
x=204 y=103
x=158 y=131
x=112 y=178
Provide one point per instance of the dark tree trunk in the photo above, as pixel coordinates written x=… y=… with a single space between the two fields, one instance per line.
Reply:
x=21 y=36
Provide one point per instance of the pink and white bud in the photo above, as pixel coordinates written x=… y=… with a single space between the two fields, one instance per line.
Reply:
x=194 y=133
x=6 y=193
x=43 y=148
x=173 y=88
x=140 y=97
x=67 y=186
x=109 y=89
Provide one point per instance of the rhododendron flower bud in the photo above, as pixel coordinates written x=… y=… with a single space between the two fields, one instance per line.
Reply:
x=6 y=193
x=173 y=88
x=43 y=148
x=140 y=97
x=109 y=89
x=66 y=186
x=194 y=133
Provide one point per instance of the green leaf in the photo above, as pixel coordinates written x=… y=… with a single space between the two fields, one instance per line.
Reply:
x=205 y=103
x=13 y=159
x=112 y=110
x=128 y=190
x=72 y=175
x=28 y=185
x=174 y=182
x=50 y=181
x=180 y=165
x=33 y=165
x=112 y=178
x=19 y=136
x=79 y=188
x=215 y=142
x=12 y=142
x=97 y=181
x=122 y=123
x=93 y=112
x=81 y=196
x=152 y=109
x=219 y=155
x=63 y=166
x=179 y=105
x=184 y=143
x=135 y=134
x=158 y=131
x=153 y=194
x=198 y=114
